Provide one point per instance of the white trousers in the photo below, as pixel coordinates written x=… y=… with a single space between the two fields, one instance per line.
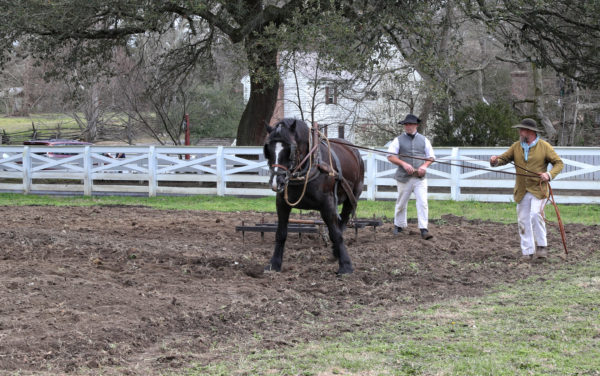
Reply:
x=419 y=187
x=532 y=227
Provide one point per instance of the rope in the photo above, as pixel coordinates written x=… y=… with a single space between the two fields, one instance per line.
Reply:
x=316 y=143
x=310 y=166
x=549 y=194
x=436 y=161
x=285 y=193
x=560 y=223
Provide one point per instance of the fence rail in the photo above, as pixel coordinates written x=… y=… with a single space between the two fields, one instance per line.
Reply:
x=242 y=171
x=17 y=138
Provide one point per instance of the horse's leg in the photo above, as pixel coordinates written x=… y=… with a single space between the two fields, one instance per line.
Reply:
x=329 y=215
x=346 y=211
x=283 y=217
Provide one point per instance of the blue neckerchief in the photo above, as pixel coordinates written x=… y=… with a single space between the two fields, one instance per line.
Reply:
x=527 y=146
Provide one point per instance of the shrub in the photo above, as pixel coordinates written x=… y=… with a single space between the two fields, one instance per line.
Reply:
x=477 y=125
x=215 y=111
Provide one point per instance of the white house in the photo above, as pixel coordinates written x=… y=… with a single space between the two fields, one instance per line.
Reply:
x=343 y=104
x=13 y=99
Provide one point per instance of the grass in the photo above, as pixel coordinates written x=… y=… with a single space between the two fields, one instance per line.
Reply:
x=23 y=123
x=497 y=212
x=534 y=327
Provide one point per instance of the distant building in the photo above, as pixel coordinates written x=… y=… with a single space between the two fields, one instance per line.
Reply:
x=339 y=102
x=13 y=99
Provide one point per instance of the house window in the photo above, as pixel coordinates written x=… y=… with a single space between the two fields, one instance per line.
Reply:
x=341 y=131
x=330 y=95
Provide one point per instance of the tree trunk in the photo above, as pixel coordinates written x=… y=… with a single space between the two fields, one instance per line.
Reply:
x=264 y=84
x=92 y=114
x=573 y=130
x=426 y=110
x=539 y=106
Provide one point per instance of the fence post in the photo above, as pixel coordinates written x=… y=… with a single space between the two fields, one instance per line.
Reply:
x=152 y=178
x=87 y=171
x=371 y=176
x=455 y=175
x=220 y=160
x=26 y=170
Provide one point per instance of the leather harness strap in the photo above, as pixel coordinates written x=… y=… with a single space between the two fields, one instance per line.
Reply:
x=341 y=180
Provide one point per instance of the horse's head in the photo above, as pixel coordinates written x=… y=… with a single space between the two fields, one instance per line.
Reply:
x=285 y=145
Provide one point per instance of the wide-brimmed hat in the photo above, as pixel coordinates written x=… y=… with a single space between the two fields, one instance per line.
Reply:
x=528 y=124
x=410 y=119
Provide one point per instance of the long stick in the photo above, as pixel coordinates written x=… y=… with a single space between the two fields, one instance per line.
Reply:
x=306 y=221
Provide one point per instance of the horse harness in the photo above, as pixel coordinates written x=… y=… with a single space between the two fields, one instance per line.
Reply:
x=304 y=172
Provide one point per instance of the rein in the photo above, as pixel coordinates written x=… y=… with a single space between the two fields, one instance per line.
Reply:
x=295 y=170
x=280 y=166
x=549 y=195
x=438 y=162
x=316 y=136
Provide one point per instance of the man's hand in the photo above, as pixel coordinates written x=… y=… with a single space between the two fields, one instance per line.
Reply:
x=421 y=171
x=493 y=160
x=408 y=168
x=545 y=176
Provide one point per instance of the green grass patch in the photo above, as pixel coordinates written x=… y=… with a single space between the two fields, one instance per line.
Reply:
x=534 y=327
x=42 y=121
x=497 y=212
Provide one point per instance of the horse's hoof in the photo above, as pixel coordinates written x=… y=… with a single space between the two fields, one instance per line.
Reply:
x=341 y=273
x=271 y=269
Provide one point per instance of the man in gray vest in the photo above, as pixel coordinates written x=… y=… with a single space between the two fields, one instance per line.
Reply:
x=412 y=153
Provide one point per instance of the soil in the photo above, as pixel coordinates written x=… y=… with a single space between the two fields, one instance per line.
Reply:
x=133 y=290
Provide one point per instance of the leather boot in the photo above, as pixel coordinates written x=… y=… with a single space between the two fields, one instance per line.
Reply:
x=425 y=234
x=541 y=252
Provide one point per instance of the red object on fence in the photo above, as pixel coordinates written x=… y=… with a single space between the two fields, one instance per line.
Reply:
x=187 y=133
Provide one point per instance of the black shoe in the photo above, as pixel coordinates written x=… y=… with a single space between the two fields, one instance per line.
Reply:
x=425 y=234
x=397 y=230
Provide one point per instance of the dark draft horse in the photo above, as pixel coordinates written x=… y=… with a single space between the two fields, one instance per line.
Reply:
x=309 y=173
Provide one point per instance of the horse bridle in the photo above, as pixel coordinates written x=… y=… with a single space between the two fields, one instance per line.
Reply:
x=293 y=169
x=293 y=172
x=287 y=171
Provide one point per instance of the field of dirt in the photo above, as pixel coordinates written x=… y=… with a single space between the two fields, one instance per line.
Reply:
x=138 y=291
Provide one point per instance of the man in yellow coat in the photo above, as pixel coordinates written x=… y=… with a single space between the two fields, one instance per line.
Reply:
x=531 y=156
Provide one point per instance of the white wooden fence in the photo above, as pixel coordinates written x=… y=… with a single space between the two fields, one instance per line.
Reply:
x=242 y=171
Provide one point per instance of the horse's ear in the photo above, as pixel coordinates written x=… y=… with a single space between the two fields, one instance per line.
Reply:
x=268 y=127
x=293 y=127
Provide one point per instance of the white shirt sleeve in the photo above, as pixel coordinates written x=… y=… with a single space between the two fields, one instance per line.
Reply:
x=429 y=149
x=394 y=147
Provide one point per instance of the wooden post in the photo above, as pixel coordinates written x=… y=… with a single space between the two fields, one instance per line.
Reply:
x=455 y=175
x=87 y=172
x=371 y=176
x=26 y=170
x=152 y=178
x=220 y=161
